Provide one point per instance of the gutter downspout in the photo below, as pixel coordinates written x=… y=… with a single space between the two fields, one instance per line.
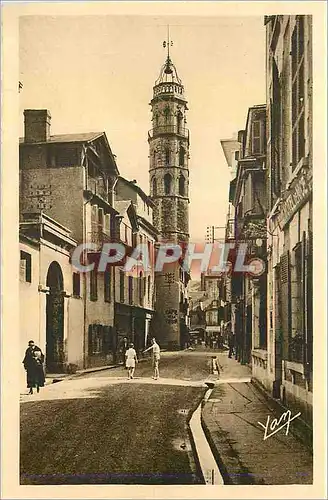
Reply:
x=114 y=281
x=85 y=166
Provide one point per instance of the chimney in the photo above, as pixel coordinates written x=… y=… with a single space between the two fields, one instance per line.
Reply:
x=37 y=125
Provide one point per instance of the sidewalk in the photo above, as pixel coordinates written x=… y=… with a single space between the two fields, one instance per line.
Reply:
x=230 y=421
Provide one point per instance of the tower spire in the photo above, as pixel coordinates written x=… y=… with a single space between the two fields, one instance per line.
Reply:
x=167 y=44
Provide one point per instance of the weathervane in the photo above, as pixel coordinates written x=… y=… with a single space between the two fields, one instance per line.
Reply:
x=168 y=43
x=168 y=69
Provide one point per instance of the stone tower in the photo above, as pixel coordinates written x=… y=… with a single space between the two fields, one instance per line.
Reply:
x=169 y=188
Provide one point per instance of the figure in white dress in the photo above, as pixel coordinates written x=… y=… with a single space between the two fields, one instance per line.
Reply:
x=131 y=360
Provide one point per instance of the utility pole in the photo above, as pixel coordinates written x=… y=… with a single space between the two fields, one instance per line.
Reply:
x=210 y=233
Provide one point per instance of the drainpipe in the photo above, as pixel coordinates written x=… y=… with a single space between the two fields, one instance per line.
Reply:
x=114 y=282
x=85 y=274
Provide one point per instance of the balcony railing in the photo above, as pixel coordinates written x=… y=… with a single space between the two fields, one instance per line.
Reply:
x=168 y=129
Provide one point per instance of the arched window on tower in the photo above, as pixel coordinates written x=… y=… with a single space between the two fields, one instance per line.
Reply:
x=182 y=185
x=154 y=186
x=167 y=114
x=156 y=120
x=167 y=183
x=179 y=121
x=182 y=153
x=167 y=155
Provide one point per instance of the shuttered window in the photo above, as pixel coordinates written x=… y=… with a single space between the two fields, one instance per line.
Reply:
x=285 y=302
x=107 y=285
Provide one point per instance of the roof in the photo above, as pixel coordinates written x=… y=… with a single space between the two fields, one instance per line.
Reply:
x=122 y=206
x=138 y=189
x=228 y=146
x=82 y=137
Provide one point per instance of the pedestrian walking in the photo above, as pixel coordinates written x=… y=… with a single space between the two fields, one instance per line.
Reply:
x=123 y=348
x=231 y=339
x=131 y=360
x=156 y=355
x=33 y=364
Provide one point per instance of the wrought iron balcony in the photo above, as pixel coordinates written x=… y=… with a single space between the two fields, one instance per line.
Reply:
x=168 y=129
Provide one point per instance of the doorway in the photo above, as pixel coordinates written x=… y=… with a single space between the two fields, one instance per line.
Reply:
x=55 y=320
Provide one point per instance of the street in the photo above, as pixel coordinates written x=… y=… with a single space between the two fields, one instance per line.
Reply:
x=102 y=428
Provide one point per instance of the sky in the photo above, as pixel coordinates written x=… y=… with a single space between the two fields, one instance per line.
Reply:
x=96 y=73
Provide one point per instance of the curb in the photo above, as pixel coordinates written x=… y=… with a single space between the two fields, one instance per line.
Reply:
x=228 y=464
x=222 y=459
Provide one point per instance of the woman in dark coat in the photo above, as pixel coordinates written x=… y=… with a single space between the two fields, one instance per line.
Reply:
x=33 y=364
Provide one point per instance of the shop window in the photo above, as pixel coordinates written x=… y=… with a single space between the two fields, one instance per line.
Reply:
x=25 y=267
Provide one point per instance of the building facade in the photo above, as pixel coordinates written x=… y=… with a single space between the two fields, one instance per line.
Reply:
x=51 y=310
x=213 y=307
x=135 y=289
x=246 y=233
x=272 y=314
x=169 y=189
x=289 y=182
x=71 y=178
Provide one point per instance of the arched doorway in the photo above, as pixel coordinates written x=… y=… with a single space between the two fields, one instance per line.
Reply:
x=55 y=320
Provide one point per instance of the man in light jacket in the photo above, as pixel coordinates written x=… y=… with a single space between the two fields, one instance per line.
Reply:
x=156 y=355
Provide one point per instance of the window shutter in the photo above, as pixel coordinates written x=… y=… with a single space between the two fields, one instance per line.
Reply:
x=94 y=218
x=285 y=301
x=256 y=137
x=90 y=339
